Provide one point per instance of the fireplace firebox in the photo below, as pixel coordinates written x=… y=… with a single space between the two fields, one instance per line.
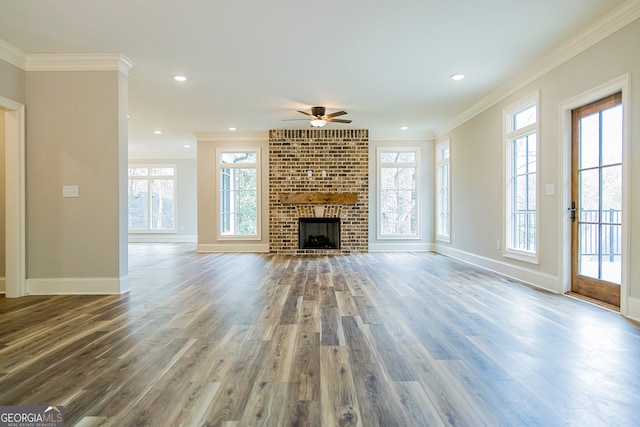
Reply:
x=319 y=233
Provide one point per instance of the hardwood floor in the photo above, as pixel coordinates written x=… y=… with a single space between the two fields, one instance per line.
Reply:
x=397 y=339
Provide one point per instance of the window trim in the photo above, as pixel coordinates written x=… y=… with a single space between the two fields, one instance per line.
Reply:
x=411 y=149
x=174 y=166
x=439 y=163
x=509 y=135
x=257 y=167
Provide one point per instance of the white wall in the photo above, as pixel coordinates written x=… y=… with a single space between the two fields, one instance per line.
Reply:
x=477 y=168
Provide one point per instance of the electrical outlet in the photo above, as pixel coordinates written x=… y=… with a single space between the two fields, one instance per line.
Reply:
x=454 y=236
x=498 y=244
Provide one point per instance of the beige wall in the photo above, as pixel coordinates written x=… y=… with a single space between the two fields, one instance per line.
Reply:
x=208 y=190
x=477 y=164
x=12 y=82
x=2 y=198
x=76 y=135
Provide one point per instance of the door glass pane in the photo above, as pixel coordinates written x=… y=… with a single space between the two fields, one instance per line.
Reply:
x=612 y=135
x=611 y=257
x=590 y=141
x=588 y=240
x=612 y=194
x=590 y=195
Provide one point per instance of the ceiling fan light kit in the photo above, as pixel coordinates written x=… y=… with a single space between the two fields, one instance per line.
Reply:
x=318 y=123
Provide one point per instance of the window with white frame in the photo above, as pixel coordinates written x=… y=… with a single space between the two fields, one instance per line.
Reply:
x=521 y=130
x=152 y=201
x=398 y=192
x=443 y=203
x=238 y=174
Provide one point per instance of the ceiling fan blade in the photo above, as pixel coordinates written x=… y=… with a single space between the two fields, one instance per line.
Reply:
x=336 y=114
x=305 y=113
x=294 y=120
x=338 y=120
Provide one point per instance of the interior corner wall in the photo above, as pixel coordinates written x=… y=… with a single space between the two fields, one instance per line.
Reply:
x=12 y=82
x=76 y=136
x=477 y=165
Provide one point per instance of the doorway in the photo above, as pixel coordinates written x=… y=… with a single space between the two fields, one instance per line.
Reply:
x=597 y=200
x=12 y=113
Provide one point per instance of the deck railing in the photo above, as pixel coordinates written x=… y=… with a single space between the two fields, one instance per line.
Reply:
x=611 y=229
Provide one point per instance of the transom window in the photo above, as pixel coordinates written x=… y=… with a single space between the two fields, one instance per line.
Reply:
x=239 y=210
x=398 y=192
x=522 y=180
x=152 y=198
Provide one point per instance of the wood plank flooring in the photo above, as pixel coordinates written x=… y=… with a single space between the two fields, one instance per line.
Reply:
x=397 y=339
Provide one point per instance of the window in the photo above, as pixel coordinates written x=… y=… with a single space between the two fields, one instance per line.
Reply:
x=521 y=127
x=152 y=198
x=238 y=173
x=443 y=216
x=397 y=184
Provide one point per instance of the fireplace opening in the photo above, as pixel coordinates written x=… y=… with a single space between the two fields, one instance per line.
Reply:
x=319 y=233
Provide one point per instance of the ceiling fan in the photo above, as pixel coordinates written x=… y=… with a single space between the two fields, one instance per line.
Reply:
x=319 y=117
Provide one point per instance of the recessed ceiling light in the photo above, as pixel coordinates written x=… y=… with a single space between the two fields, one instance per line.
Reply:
x=187 y=146
x=457 y=77
x=404 y=127
x=157 y=132
x=232 y=129
x=180 y=78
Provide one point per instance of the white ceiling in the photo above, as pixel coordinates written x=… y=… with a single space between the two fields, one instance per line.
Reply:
x=253 y=63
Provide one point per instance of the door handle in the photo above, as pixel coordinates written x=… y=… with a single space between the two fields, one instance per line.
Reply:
x=572 y=209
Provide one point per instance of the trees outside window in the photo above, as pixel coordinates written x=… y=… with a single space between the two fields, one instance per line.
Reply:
x=398 y=192
x=238 y=174
x=151 y=198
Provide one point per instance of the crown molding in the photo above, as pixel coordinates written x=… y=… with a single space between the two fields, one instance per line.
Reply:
x=609 y=24
x=79 y=62
x=11 y=54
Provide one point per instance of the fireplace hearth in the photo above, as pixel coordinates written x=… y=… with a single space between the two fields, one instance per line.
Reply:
x=319 y=233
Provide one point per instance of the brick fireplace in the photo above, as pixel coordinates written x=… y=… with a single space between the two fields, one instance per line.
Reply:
x=318 y=173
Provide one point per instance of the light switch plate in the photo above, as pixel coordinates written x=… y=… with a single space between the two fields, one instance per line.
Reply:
x=549 y=189
x=70 y=191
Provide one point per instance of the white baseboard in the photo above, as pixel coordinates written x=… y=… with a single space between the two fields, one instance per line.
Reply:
x=162 y=238
x=530 y=277
x=633 y=308
x=401 y=247
x=233 y=247
x=78 y=286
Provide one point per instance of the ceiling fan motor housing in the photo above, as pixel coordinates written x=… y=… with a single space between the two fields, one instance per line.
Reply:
x=318 y=111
